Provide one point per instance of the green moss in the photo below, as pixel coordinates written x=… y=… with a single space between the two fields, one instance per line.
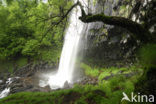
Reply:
x=147 y=55
x=128 y=0
x=123 y=7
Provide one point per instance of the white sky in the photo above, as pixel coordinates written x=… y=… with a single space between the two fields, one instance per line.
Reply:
x=45 y=1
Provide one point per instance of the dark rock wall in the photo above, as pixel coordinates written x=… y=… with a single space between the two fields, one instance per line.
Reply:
x=112 y=45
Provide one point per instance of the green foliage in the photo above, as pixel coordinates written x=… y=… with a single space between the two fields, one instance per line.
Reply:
x=52 y=55
x=147 y=58
x=31 y=48
x=26 y=29
x=147 y=55
x=89 y=71
x=103 y=74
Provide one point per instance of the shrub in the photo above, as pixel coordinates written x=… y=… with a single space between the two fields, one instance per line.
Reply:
x=147 y=55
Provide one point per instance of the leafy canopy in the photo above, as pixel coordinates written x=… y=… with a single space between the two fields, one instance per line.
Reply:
x=28 y=27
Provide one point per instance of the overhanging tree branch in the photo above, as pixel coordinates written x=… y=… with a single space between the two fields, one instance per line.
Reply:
x=55 y=23
x=137 y=29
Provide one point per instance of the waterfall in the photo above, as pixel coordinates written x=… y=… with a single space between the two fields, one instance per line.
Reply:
x=69 y=53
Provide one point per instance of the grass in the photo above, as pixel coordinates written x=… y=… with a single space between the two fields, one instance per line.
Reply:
x=89 y=71
x=105 y=92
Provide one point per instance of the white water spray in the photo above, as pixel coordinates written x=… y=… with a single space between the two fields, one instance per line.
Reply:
x=4 y=93
x=71 y=46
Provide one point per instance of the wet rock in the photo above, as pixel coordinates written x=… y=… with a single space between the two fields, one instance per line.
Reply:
x=66 y=85
x=2 y=87
x=89 y=80
x=31 y=69
x=1 y=81
x=20 y=89
x=47 y=88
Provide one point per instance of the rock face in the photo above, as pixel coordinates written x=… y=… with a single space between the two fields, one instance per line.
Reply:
x=111 y=43
x=32 y=69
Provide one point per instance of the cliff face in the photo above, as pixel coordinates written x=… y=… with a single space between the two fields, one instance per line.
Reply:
x=112 y=43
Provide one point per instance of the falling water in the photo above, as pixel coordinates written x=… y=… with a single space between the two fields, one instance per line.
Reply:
x=71 y=46
x=6 y=91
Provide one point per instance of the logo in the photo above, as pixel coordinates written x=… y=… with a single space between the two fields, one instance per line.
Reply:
x=137 y=98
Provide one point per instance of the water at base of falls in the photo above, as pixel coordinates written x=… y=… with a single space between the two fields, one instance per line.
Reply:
x=4 y=93
x=73 y=38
